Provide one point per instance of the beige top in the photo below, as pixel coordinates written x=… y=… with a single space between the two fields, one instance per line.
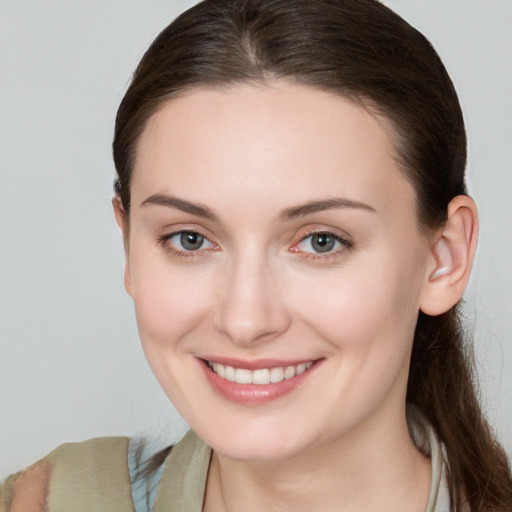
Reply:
x=93 y=476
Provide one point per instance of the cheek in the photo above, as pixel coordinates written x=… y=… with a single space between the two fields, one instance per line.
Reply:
x=369 y=306
x=169 y=300
x=170 y=304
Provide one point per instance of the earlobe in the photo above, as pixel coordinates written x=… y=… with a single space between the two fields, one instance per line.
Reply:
x=452 y=252
x=127 y=277
x=119 y=213
x=122 y=222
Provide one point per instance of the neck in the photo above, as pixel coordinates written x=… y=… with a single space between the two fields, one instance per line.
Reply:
x=371 y=469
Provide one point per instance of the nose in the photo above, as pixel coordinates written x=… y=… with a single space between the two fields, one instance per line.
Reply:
x=251 y=308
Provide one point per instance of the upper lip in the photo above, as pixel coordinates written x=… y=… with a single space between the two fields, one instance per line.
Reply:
x=257 y=364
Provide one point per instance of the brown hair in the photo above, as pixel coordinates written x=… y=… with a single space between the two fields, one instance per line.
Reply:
x=363 y=51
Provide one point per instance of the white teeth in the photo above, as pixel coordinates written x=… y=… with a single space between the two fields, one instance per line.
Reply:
x=261 y=376
x=276 y=375
x=289 y=372
x=219 y=370
x=243 y=376
x=230 y=373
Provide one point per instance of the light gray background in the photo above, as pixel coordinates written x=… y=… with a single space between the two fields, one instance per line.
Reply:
x=71 y=366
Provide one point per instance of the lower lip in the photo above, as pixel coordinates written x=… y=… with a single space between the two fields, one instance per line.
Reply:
x=253 y=394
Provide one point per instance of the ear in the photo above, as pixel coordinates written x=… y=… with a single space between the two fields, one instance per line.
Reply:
x=122 y=221
x=452 y=252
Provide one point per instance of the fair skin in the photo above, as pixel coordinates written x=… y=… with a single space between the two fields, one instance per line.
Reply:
x=303 y=247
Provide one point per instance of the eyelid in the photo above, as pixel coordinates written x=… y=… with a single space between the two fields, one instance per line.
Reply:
x=345 y=244
x=164 y=241
x=344 y=240
x=171 y=229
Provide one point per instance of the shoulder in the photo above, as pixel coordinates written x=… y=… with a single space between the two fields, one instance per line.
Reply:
x=86 y=476
x=26 y=490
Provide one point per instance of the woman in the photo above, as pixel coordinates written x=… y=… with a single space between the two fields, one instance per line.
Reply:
x=297 y=232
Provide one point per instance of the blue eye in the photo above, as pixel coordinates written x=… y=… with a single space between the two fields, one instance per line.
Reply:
x=322 y=243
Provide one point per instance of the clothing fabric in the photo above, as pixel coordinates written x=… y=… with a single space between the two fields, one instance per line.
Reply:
x=184 y=476
x=103 y=475
x=91 y=476
x=182 y=479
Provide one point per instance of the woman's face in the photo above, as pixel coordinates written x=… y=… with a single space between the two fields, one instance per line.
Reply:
x=273 y=237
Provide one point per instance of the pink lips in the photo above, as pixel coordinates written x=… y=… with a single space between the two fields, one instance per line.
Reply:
x=253 y=394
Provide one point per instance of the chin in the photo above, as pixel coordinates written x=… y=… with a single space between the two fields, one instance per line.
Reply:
x=260 y=442
x=257 y=452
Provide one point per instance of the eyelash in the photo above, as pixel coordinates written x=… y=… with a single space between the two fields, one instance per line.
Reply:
x=164 y=241
x=345 y=244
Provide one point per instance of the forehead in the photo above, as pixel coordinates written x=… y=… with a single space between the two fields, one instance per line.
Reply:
x=293 y=140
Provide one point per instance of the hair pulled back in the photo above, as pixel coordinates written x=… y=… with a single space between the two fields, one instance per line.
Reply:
x=364 y=52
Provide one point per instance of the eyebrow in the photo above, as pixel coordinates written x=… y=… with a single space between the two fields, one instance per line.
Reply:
x=285 y=215
x=181 y=204
x=318 y=206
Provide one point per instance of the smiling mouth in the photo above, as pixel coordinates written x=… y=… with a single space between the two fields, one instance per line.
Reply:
x=261 y=376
